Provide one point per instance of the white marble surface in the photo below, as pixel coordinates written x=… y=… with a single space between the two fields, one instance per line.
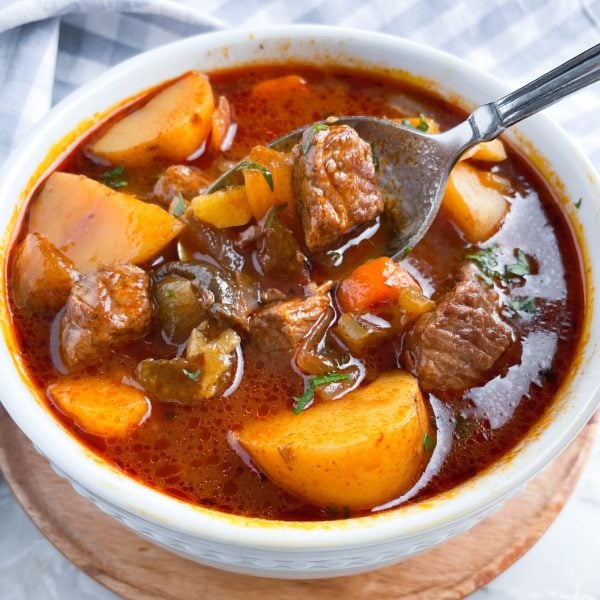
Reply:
x=563 y=565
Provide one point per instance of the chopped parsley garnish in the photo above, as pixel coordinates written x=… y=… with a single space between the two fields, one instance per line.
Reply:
x=248 y=165
x=311 y=134
x=273 y=212
x=422 y=124
x=301 y=402
x=526 y=305
x=520 y=268
x=193 y=375
x=428 y=442
x=178 y=207
x=374 y=156
x=578 y=203
x=486 y=260
x=169 y=292
x=114 y=178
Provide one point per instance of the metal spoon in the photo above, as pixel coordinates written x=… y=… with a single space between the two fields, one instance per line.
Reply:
x=414 y=166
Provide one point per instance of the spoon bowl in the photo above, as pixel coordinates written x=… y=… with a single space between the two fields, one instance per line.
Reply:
x=410 y=166
x=413 y=167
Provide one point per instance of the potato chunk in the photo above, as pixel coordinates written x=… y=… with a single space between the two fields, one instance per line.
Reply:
x=100 y=406
x=43 y=276
x=474 y=203
x=95 y=226
x=493 y=151
x=357 y=452
x=223 y=208
x=171 y=126
x=261 y=195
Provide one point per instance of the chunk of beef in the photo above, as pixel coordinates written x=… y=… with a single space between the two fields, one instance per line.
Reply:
x=278 y=328
x=335 y=184
x=459 y=341
x=200 y=240
x=42 y=275
x=179 y=179
x=279 y=254
x=104 y=310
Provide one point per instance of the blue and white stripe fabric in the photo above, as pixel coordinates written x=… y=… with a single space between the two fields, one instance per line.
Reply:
x=50 y=47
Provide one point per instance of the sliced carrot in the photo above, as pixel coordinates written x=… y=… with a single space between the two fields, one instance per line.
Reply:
x=376 y=282
x=424 y=124
x=271 y=88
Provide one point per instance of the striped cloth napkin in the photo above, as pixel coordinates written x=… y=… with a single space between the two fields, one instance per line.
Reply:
x=50 y=47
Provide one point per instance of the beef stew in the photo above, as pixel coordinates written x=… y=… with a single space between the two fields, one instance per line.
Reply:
x=253 y=350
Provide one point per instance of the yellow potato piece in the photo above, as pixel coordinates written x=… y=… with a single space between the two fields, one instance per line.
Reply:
x=493 y=151
x=224 y=208
x=171 y=126
x=260 y=196
x=95 y=226
x=100 y=407
x=474 y=202
x=357 y=452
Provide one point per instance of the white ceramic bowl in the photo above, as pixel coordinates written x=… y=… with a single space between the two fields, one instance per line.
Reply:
x=284 y=549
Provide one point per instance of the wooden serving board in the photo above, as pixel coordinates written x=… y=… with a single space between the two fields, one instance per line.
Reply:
x=138 y=570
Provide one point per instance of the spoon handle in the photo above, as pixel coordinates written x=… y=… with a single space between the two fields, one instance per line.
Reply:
x=490 y=120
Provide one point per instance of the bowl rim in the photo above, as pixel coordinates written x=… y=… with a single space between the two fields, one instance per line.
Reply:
x=113 y=487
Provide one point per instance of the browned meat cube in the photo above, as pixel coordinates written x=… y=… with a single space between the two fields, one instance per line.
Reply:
x=279 y=254
x=42 y=276
x=335 y=184
x=459 y=341
x=179 y=179
x=279 y=327
x=105 y=309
